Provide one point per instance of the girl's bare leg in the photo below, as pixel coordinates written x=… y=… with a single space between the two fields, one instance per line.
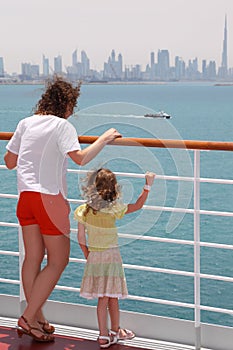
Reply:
x=102 y=314
x=114 y=313
x=58 y=249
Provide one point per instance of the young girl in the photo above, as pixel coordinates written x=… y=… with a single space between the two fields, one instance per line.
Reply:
x=104 y=275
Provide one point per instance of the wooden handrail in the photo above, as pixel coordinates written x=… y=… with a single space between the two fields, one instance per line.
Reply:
x=158 y=143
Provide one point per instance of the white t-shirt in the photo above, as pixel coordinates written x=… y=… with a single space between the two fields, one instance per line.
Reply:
x=42 y=143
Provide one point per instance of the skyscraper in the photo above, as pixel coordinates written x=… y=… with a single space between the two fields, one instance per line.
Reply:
x=85 y=64
x=163 y=64
x=74 y=58
x=1 y=67
x=223 y=72
x=45 y=66
x=58 y=64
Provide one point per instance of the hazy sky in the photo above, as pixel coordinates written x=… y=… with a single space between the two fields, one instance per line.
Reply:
x=134 y=28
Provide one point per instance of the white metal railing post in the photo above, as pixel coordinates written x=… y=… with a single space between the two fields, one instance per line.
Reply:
x=197 y=311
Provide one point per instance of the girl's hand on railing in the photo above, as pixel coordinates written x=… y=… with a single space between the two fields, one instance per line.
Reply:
x=149 y=178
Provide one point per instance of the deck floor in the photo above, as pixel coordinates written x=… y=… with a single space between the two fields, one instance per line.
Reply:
x=74 y=338
x=9 y=340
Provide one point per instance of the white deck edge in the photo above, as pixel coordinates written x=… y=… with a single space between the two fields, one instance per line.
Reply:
x=152 y=332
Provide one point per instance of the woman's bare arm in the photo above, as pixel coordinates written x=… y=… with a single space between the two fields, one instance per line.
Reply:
x=87 y=154
x=10 y=160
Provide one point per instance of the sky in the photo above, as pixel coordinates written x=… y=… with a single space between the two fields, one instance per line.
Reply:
x=134 y=28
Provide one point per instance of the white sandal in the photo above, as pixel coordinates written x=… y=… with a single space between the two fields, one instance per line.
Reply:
x=111 y=339
x=128 y=334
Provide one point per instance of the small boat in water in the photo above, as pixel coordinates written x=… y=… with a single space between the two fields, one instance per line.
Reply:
x=160 y=114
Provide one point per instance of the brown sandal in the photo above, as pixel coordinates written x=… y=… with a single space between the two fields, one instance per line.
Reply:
x=43 y=338
x=47 y=328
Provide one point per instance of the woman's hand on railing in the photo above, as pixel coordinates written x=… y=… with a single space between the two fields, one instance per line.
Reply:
x=110 y=135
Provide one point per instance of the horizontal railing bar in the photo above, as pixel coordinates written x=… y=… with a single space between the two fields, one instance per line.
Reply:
x=167 y=271
x=147 y=142
x=155 y=208
x=147 y=207
x=156 y=239
x=158 y=301
x=172 y=240
x=9 y=252
x=216 y=245
x=137 y=298
x=217 y=278
x=3 y=195
x=216 y=213
x=172 y=209
x=216 y=181
x=175 y=241
x=8 y=224
x=188 y=211
x=145 y=268
x=8 y=281
x=216 y=309
x=164 y=177
x=134 y=297
x=150 y=238
x=158 y=177
x=158 y=269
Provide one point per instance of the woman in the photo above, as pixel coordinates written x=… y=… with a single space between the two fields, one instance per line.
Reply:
x=39 y=148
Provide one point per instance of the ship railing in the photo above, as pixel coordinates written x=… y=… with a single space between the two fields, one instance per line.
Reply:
x=196 y=147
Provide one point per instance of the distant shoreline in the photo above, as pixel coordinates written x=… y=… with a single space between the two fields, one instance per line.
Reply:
x=215 y=83
x=94 y=83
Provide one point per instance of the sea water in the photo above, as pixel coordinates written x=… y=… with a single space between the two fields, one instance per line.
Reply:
x=200 y=111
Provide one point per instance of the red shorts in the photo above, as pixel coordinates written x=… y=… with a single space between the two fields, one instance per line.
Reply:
x=50 y=212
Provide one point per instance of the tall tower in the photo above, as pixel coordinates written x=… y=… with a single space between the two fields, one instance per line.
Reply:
x=224 y=51
x=45 y=66
x=58 y=64
x=75 y=58
x=1 y=67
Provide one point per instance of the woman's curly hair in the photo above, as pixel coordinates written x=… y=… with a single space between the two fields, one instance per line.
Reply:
x=101 y=189
x=59 y=96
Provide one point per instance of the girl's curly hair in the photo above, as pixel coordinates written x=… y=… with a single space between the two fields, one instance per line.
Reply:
x=59 y=96
x=101 y=189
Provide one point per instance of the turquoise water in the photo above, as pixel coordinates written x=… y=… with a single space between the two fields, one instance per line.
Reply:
x=199 y=112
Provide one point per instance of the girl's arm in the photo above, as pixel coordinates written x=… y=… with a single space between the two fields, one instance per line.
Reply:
x=143 y=196
x=82 y=239
x=85 y=155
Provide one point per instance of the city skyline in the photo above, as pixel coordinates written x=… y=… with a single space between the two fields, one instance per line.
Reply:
x=113 y=70
x=157 y=70
x=186 y=28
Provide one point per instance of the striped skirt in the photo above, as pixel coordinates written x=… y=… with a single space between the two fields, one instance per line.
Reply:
x=104 y=275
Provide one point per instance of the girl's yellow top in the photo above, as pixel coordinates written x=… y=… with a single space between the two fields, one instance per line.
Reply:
x=100 y=226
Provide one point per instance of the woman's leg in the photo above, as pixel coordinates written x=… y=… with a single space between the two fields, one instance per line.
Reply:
x=58 y=249
x=114 y=313
x=34 y=254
